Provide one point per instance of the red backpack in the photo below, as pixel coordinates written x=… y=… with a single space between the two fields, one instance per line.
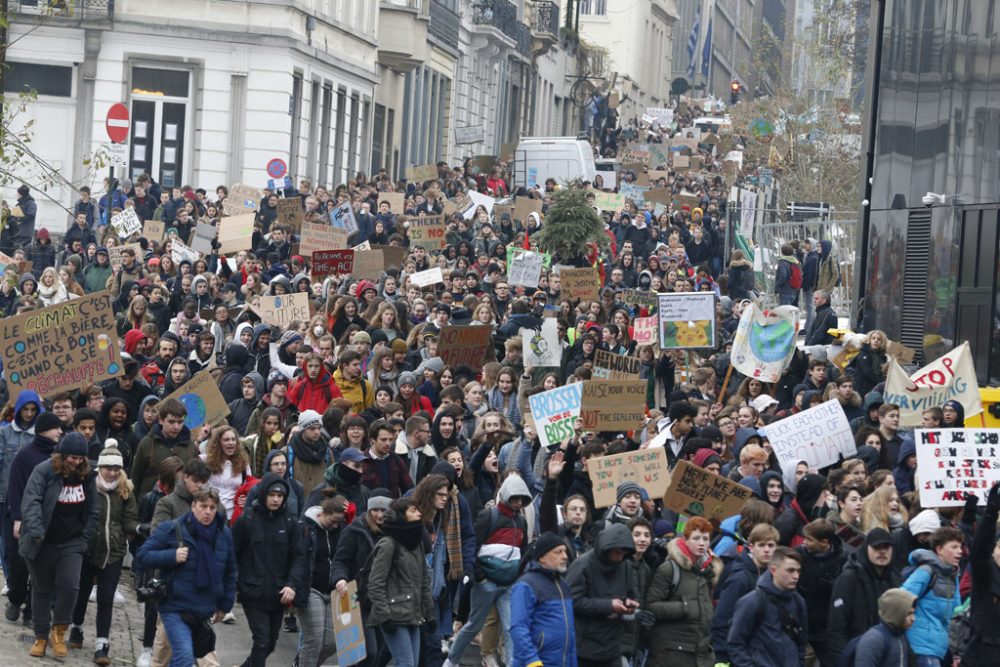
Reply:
x=794 y=276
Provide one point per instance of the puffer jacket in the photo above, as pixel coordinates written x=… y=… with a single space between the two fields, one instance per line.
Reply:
x=270 y=550
x=355 y=546
x=683 y=616
x=854 y=598
x=151 y=452
x=541 y=619
x=399 y=584
x=39 y=504
x=757 y=637
x=359 y=392
x=160 y=551
x=929 y=633
x=117 y=519
x=595 y=582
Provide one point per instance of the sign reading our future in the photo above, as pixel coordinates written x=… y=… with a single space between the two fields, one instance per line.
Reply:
x=62 y=347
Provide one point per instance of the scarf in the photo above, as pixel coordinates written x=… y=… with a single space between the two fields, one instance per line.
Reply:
x=106 y=487
x=204 y=540
x=308 y=453
x=340 y=476
x=702 y=564
x=410 y=534
x=453 y=537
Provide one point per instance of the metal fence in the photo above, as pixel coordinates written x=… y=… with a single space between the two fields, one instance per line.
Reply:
x=64 y=9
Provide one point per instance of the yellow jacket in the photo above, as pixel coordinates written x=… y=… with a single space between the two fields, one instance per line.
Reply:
x=358 y=392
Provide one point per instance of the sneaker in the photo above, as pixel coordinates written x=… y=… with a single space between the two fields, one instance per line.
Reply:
x=448 y=663
x=101 y=656
x=145 y=658
x=291 y=625
x=119 y=598
x=93 y=594
x=75 y=638
x=229 y=619
x=12 y=613
x=5 y=590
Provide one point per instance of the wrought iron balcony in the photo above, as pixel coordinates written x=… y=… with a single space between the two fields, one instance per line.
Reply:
x=498 y=14
x=444 y=24
x=545 y=22
x=64 y=9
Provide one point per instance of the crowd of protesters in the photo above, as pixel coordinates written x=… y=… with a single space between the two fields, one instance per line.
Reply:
x=353 y=452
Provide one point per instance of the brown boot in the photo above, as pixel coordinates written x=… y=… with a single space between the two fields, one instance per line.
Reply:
x=58 y=641
x=38 y=648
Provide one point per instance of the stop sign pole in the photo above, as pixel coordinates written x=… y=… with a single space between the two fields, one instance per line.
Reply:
x=117 y=124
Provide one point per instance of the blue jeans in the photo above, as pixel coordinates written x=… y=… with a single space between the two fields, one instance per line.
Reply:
x=485 y=595
x=807 y=305
x=404 y=645
x=179 y=638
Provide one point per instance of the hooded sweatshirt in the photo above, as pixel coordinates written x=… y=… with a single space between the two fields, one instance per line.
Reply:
x=241 y=409
x=15 y=435
x=313 y=394
x=39 y=451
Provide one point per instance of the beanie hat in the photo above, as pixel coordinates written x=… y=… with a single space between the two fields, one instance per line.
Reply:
x=399 y=346
x=73 y=444
x=546 y=542
x=287 y=338
x=808 y=491
x=361 y=337
x=110 y=456
x=309 y=418
x=705 y=457
x=926 y=522
x=627 y=488
x=406 y=377
x=278 y=487
x=378 y=336
x=753 y=484
x=46 y=422
x=379 y=499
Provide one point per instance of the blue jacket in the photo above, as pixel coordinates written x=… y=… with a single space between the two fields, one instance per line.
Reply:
x=881 y=646
x=810 y=271
x=14 y=436
x=159 y=552
x=541 y=613
x=757 y=637
x=929 y=633
x=738 y=578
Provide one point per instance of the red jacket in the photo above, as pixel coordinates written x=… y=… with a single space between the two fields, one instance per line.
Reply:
x=306 y=394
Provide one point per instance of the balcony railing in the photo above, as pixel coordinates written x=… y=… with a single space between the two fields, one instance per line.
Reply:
x=499 y=14
x=524 y=40
x=546 y=18
x=64 y=9
x=444 y=24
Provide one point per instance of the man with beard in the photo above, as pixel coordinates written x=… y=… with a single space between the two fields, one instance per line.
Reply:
x=127 y=388
x=383 y=468
x=541 y=605
x=154 y=372
x=308 y=454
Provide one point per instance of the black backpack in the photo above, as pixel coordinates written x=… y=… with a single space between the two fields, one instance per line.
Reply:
x=365 y=573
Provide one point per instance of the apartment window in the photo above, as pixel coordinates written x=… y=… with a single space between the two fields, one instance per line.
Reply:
x=352 y=144
x=378 y=138
x=324 y=135
x=338 y=141
x=295 y=111
x=390 y=142
x=312 y=144
x=585 y=6
x=160 y=107
x=600 y=7
x=53 y=80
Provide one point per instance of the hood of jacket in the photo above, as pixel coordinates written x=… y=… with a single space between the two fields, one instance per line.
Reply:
x=908 y=448
x=258 y=330
x=258 y=384
x=25 y=397
x=894 y=606
x=788 y=469
x=514 y=486
x=615 y=536
x=740 y=440
x=197 y=280
x=25 y=277
x=140 y=426
x=300 y=276
x=283 y=279
x=928 y=557
x=132 y=338
x=266 y=483
x=766 y=478
x=239 y=330
x=825 y=247
x=677 y=555
x=236 y=356
x=403 y=447
x=873 y=399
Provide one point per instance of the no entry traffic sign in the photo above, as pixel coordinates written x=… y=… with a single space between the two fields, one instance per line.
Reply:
x=117 y=123
x=277 y=168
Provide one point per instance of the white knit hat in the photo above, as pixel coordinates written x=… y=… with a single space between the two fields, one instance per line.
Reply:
x=926 y=522
x=110 y=455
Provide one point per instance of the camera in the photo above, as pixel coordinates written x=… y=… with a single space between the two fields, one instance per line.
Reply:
x=154 y=590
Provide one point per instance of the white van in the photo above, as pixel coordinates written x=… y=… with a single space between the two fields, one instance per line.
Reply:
x=562 y=158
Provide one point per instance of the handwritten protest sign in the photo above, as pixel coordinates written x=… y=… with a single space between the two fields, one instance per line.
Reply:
x=646 y=467
x=422 y=172
x=478 y=199
x=582 y=283
x=523 y=206
x=637 y=193
x=464 y=345
x=349 y=633
x=236 y=233
x=694 y=491
x=115 y=253
x=320 y=237
x=153 y=230
x=525 y=268
x=687 y=320
x=62 y=347
x=952 y=376
x=282 y=309
x=819 y=435
x=243 y=198
x=954 y=462
x=369 y=264
x=555 y=412
x=290 y=213
x=613 y=405
x=428 y=277
x=332 y=263
x=541 y=348
x=645 y=329
x=609 y=201
x=203 y=400
x=201 y=240
x=764 y=344
x=126 y=223
x=396 y=201
x=180 y=252
x=611 y=366
x=427 y=232
x=342 y=217
x=643 y=299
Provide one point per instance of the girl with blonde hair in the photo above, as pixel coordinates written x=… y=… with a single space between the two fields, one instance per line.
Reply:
x=883 y=509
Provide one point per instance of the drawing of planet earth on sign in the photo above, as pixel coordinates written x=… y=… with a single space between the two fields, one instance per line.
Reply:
x=195 y=405
x=771 y=342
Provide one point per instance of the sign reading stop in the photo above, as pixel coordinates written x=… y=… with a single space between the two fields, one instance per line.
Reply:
x=117 y=123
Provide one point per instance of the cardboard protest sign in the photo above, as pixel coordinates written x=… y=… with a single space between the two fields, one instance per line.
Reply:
x=951 y=377
x=609 y=201
x=394 y=255
x=396 y=201
x=646 y=467
x=637 y=193
x=555 y=412
x=541 y=348
x=201 y=239
x=428 y=277
x=282 y=309
x=428 y=232
x=126 y=223
x=364 y=245
x=645 y=330
x=332 y=263
x=613 y=405
x=348 y=630
x=464 y=345
x=180 y=252
x=687 y=320
x=153 y=230
x=320 y=237
x=634 y=297
x=900 y=352
x=236 y=233
x=369 y=264
x=525 y=268
x=611 y=366
x=203 y=400
x=290 y=213
x=819 y=435
x=422 y=172
x=62 y=347
x=954 y=462
x=578 y=284
x=243 y=198
x=660 y=196
x=115 y=253
x=764 y=344
x=523 y=206
x=342 y=217
x=694 y=491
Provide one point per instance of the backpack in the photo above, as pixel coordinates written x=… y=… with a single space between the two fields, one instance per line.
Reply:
x=675 y=577
x=790 y=624
x=794 y=275
x=364 y=574
x=910 y=569
x=500 y=571
x=961 y=632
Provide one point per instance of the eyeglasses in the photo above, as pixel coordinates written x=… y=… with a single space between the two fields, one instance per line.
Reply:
x=442 y=494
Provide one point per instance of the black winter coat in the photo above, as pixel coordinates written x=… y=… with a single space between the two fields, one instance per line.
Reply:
x=819 y=571
x=320 y=545
x=984 y=649
x=854 y=598
x=356 y=544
